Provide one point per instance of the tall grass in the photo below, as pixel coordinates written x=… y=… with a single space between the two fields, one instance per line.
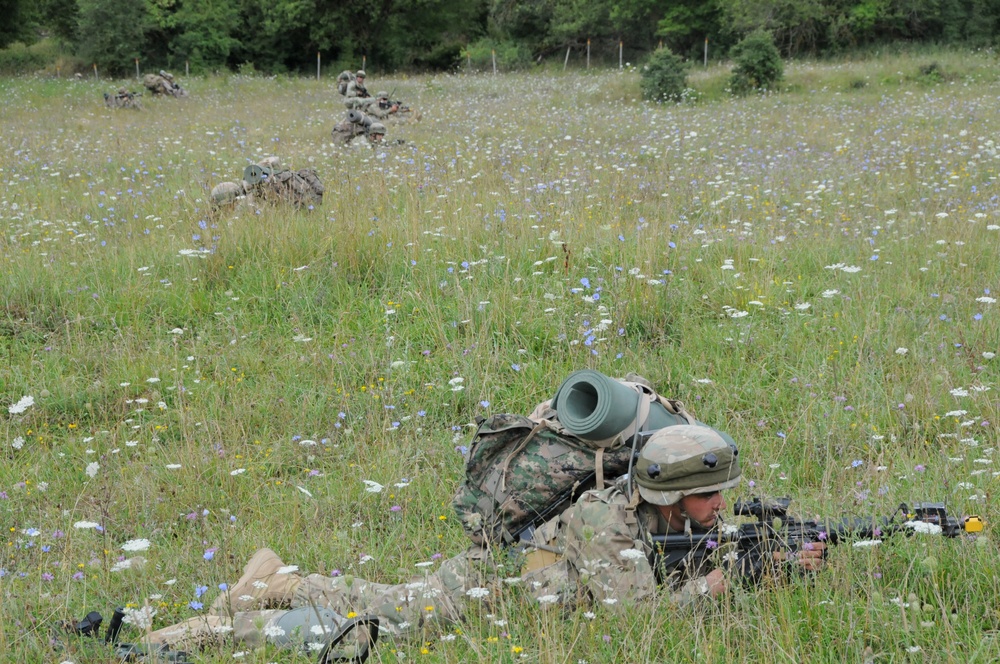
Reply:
x=235 y=376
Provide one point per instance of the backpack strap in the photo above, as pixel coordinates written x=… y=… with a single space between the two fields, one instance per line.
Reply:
x=517 y=450
x=677 y=408
x=599 y=468
x=633 y=505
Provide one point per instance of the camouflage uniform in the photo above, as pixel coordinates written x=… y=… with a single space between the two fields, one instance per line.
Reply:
x=357 y=88
x=163 y=84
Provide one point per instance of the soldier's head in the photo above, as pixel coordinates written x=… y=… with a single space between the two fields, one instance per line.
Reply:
x=360 y=75
x=382 y=96
x=122 y=91
x=683 y=471
x=376 y=132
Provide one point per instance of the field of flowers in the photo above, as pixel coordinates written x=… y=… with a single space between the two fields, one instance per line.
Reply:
x=814 y=272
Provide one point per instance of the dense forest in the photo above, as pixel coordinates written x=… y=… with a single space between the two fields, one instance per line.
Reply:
x=286 y=35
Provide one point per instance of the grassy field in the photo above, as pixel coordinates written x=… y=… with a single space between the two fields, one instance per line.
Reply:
x=814 y=272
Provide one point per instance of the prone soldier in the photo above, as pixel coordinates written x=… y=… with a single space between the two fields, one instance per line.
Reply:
x=163 y=84
x=266 y=181
x=122 y=99
x=603 y=546
x=357 y=124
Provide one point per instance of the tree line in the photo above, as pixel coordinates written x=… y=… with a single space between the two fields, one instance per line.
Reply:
x=285 y=35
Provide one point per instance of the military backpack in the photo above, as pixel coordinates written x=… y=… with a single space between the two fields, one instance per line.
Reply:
x=522 y=471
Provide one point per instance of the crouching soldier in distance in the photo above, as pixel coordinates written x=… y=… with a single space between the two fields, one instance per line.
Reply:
x=356 y=88
x=122 y=99
x=267 y=182
x=603 y=545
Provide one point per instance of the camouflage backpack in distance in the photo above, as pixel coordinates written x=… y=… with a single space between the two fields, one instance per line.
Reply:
x=521 y=472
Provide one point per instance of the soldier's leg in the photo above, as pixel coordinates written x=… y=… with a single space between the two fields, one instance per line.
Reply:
x=193 y=633
x=267 y=582
x=401 y=607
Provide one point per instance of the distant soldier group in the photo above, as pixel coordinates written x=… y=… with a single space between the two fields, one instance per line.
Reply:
x=163 y=84
x=365 y=111
x=267 y=182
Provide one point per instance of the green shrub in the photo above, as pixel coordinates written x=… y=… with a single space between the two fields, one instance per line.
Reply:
x=758 y=64
x=20 y=59
x=664 y=76
x=510 y=55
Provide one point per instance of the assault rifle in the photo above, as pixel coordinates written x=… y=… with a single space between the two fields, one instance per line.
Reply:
x=402 y=108
x=774 y=531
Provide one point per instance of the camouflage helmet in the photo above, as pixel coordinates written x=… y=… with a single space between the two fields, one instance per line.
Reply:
x=382 y=95
x=683 y=460
x=377 y=128
x=360 y=74
x=122 y=90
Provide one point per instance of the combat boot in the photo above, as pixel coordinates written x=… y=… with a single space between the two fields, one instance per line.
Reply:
x=266 y=583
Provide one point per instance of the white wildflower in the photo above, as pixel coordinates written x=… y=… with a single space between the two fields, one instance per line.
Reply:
x=273 y=631
x=989 y=355
x=632 y=554
x=287 y=569
x=17 y=443
x=92 y=469
x=610 y=600
x=924 y=527
x=85 y=525
x=548 y=599
x=902 y=351
x=864 y=544
x=238 y=471
x=141 y=618
x=22 y=405
x=589 y=615
x=173 y=466
x=373 y=487
x=802 y=306
x=738 y=314
x=136 y=545
x=477 y=593
x=304 y=490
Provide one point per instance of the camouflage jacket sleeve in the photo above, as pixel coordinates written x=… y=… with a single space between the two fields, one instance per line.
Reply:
x=607 y=557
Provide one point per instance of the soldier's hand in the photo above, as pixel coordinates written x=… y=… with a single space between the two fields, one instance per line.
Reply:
x=717 y=584
x=395 y=107
x=810 y=557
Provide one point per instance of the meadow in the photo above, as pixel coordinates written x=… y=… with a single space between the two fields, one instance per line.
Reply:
x=813 y=271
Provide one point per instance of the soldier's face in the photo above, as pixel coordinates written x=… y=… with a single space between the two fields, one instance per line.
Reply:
x=701 y=508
